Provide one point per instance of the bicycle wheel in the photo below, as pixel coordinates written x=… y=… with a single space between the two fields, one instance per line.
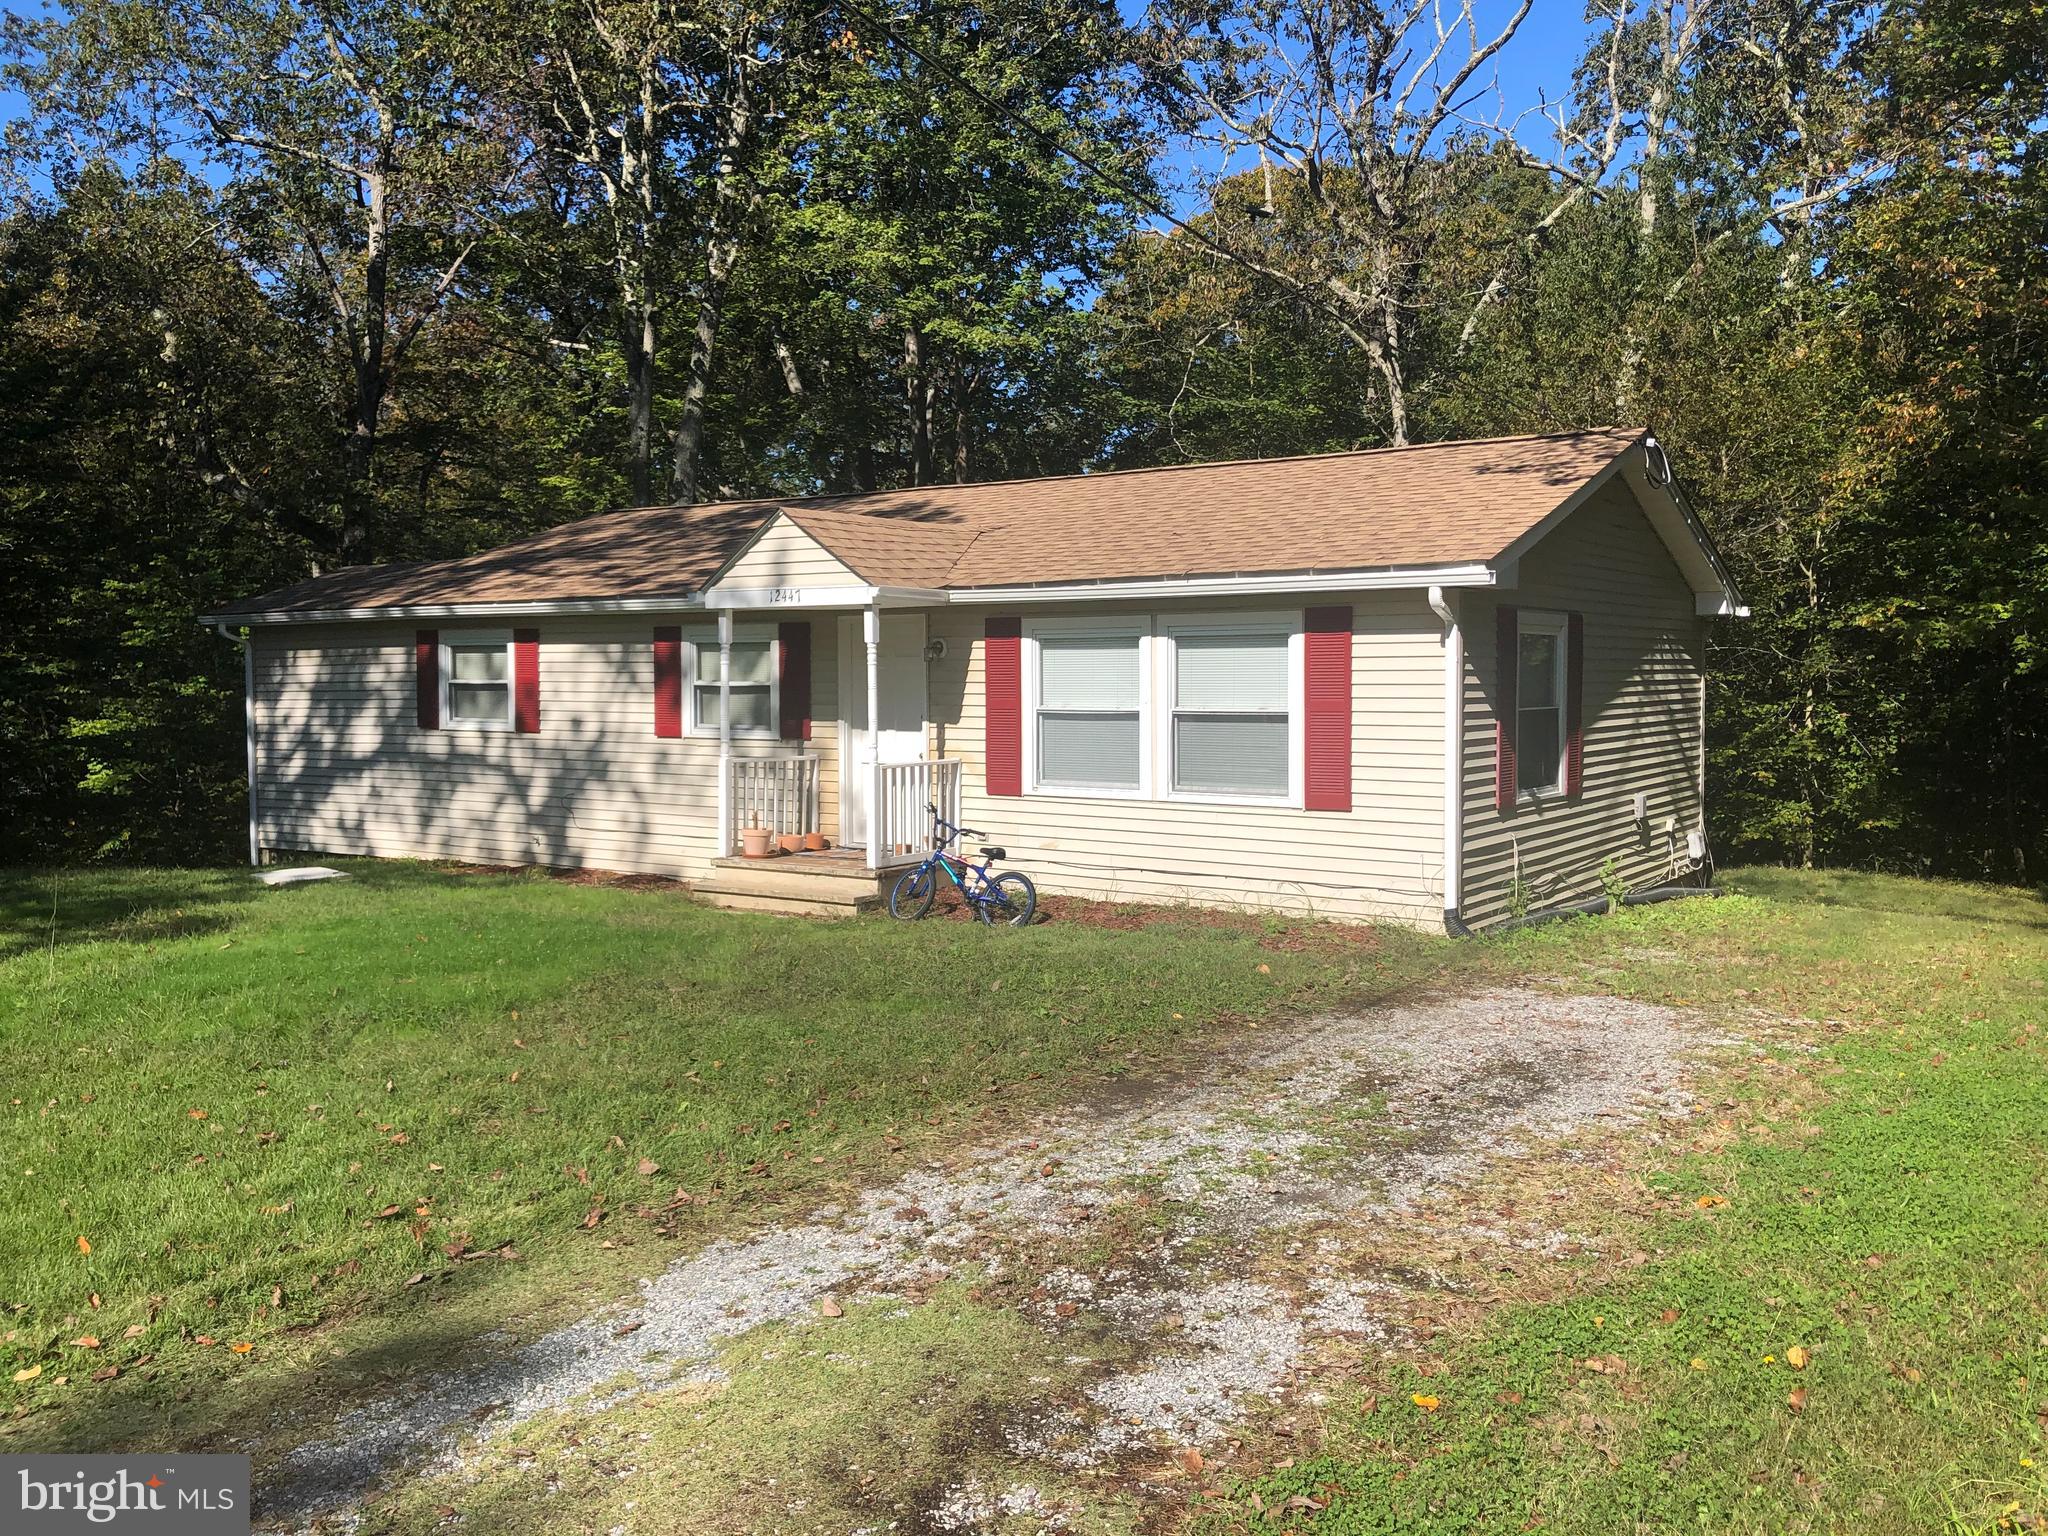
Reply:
x=913 y=894
x=1011 y=899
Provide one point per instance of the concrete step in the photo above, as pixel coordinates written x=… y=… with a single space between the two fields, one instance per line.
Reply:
x=733 y=900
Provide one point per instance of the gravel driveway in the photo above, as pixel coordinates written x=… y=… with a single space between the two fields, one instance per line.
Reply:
x=1301 y=1128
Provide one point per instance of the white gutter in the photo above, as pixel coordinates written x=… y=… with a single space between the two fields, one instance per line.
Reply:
x=248 y=728
x=1257 y=584
x=562 y=606
x=1454 y=759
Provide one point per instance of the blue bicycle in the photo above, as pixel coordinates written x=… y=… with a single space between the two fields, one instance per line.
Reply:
x=1006 y=898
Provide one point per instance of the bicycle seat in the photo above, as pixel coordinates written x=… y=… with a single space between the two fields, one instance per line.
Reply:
x=995 y=853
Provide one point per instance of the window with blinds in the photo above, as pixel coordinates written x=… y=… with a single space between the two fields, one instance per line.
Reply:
x=1089 y=711
x=1231 y=725
x=753 y=688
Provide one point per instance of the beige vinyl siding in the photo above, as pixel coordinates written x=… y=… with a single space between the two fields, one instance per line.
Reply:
x=785 y=556
x=343 y=766
x=1643 y=670
x=1383 y=859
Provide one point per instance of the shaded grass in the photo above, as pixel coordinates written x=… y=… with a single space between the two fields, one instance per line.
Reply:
x=865 y=1422
x=1884 y=1179
x=235 y=1112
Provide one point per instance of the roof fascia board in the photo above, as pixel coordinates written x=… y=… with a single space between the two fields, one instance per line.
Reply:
x=1682 y=533
x=1384 y=579
x=560 y=607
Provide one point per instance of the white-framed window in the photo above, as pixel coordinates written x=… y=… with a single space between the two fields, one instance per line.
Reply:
x=1539 y=703
x=756 y=683
x=1087 y=691
x=1232 y=705
x=476 y=679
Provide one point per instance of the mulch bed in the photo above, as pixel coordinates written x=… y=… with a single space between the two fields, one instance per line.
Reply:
x=1286 y=935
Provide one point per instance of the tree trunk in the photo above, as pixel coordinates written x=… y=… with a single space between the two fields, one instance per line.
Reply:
x=721 y=258
x=688 y=442
x=917 y=397
x=639 y=339
x=360 y=453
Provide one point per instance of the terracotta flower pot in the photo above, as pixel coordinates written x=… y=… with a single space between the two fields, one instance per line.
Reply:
x=789 y=842
x=754 y=843
x=814 y=842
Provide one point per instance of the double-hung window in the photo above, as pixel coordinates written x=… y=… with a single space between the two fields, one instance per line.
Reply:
x=476 y=672
x=1539 y=703
x=754 y=685
x=1090 y=710
x=1232 y=720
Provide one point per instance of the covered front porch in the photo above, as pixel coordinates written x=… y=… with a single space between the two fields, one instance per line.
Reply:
x=856 y=774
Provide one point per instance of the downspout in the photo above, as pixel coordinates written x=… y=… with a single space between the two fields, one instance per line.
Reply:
x=1454 y=763
x=248 y=728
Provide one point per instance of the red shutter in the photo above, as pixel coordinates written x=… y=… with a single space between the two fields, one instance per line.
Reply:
x=793 y=643
x=668 y=680
x=526 y=680
x=1507 y=647
x=1574 y=703
x=426 y=670
x=1326 y=691
x=1003 y=679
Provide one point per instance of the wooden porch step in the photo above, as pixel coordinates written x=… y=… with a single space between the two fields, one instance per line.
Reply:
x=799 y=906
x=828 y=885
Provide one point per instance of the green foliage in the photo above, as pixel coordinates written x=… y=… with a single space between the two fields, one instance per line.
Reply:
x=259 y=318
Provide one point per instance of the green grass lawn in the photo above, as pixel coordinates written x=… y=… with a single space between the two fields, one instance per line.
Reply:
x=233 y=1112
x=222 y=1090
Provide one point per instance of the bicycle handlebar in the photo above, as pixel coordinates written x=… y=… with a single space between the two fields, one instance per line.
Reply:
x=939 y=821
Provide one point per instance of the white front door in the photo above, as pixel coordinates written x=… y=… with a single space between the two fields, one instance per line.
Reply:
x=901 y=685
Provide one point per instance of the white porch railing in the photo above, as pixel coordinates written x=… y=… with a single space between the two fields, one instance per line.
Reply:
x=778 y=793
x=902 y=822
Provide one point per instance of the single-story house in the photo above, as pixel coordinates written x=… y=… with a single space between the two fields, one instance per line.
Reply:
x=1440 y=685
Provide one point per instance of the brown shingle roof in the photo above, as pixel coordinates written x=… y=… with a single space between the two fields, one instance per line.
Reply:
x=1432 y=504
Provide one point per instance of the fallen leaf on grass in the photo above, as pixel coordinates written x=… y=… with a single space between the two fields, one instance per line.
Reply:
x=106 y=1373
x=133 y=1331
x=649 y=1167
x=241 y=1346
x=591 y=1220
x=83 y=1245
x=29 y=1373
x=1698 y=1364
x=1191 y=1462
x=1796 y=1358
x=1796 y=1399
x=830 y=1307
x=204 y=1340
x=86 y=1341
x=1708 y=1202
x=389 y=1210
x=1427 y=1402
x=1668 y=1315
x=416 y=1278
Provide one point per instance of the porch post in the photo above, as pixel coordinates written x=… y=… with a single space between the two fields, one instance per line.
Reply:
x=871 y=632
x=725 y=733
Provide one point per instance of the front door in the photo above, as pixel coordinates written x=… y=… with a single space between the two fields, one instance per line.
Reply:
x=900 y=683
